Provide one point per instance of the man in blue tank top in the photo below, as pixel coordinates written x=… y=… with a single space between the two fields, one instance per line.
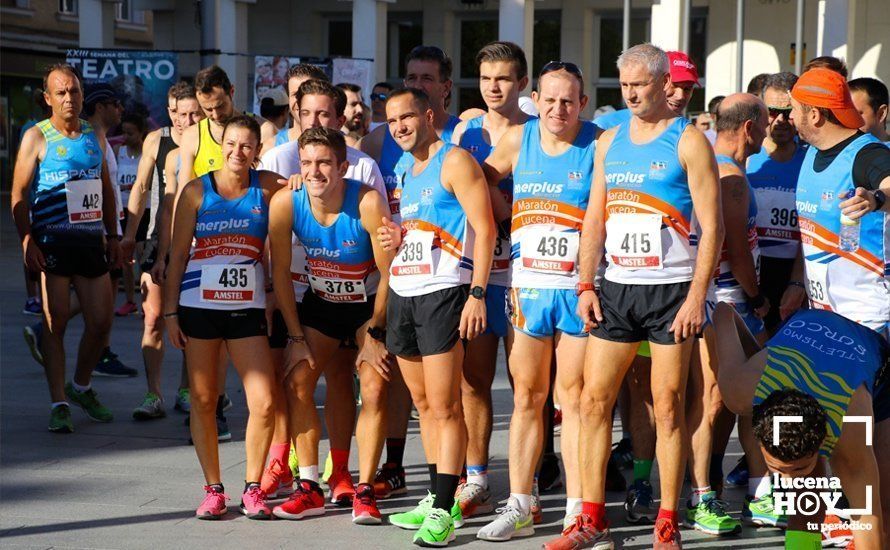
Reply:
x=650 y=176
x=447 y=247
x=68 y=227
x=429 y=69
x=826 y=369
x=503 y=74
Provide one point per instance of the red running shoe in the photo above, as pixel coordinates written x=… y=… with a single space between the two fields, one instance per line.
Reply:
x=582 y=533
x=214 y=504
x=390 y=481
x=557 y=420
x=277 y=480
x=667 y=536
x=835 y=533
x=307 y=501
x=364 y=506
x=127 y=308
x=342 y=487
x=253 y=503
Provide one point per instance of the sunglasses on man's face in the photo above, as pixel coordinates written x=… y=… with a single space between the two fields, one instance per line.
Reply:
x=776 y=112
x=378 y=97
x=554 y=66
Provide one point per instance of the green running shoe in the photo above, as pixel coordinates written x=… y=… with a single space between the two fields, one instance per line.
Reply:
x=328 y=468
x=151 y=408
x=293 y=462
x=710 y=516
x=413 y=519
x=89 y=402
x=762 y=511
x=437 y=529
x=60 y=420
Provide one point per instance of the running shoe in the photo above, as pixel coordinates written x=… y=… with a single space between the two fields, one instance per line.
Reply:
x=328 y=468
x=413 y=519
x=667 y=536
x=509 y=523
x=307 y=501
x=342 y=488
x=222 y=429
x=549 y=477
x=557 y=420
x=253 y=503
x=537 y=512
x=227 y=402
x=474 y=499
x=214 y=504
x=738 y=477
x=110 y=365
x=33 y=307
x=151 y=408
x=89 y=402
x=622 y=454
x=415 y=414
x=638 y=505
x=710 y=516
x=293 y=462
x=615 y=481
x=60 y=420
x=834 y=533
x=437 y=529
x=390 y=481
x=357 y=389
x=33 y=336
x=277 y=480
x=364 y=506
x=183 y=401
x=127 y=308
x=762 y=512
x=582 y=533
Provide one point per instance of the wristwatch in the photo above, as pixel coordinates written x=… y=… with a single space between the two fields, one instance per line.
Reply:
x=377 y=333
x=581 y=288
x=880 y=199
x=477 y=292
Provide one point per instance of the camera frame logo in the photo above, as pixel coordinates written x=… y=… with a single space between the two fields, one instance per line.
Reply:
x=806 y=495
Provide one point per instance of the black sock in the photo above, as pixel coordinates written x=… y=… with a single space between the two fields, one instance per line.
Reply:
x=218 y=486
x=446 y=485
x=433 y=477
x=249 y=484
x=219 y=406
x=395 y=450
x=715 y=471
x=548 y=423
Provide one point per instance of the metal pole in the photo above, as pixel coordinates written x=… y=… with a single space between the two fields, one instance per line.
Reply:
x=625 y=27
x=687 y=18
x=739 y=41
x=798 y=39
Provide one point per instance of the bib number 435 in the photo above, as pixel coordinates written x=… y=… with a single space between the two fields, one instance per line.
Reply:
x=228 y=284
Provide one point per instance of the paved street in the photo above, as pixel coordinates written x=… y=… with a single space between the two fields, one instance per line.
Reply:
x=136 y=485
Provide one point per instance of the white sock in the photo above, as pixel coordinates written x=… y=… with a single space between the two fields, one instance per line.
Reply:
x=524 y=501
x=759 y=486
x=697 y=493
x=480 y=479
x=573 y=505
x=309 y=472
x=80 y=388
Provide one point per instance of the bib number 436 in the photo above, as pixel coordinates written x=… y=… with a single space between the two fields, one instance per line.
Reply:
x=549 y=251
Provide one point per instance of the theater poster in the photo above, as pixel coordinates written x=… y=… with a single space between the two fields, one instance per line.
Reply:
x=141 y=78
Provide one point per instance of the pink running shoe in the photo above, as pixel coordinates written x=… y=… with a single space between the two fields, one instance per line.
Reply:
x=277 y=481
x=342 y=487
x=214 y=504
x=127 y=308
x=253 y=503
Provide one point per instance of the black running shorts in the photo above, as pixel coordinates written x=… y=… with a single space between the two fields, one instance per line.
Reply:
x=339 y=321
x=69 y=260
x=424 y=325
x=774 y=276
x=634 y=313
x=278 y=339
x=212 y=324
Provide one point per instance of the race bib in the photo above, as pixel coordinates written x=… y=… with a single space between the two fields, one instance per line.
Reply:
x=634 y=240
x=817 y=285
x=549 y=250
x=501 y=260
x=415 y=256
x=84 y=199
x=776 y=215
x=299 y=264
x=338 y=290
x=228 y=284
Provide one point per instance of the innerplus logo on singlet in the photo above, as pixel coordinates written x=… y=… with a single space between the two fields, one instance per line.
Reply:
x=807 y=207
x=322 y=251
x=628 y=178
x=222 y=225
x=543 y=188
x=411 y=208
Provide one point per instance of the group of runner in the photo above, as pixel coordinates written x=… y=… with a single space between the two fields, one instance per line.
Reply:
x=626 y=262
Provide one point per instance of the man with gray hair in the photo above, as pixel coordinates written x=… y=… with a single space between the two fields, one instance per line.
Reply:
x=650 y=174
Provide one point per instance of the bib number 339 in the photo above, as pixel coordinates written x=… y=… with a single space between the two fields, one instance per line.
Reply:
x=415 y=257
x=228 y=284
x=84 y=200
x=634 y=240
x=549 y=251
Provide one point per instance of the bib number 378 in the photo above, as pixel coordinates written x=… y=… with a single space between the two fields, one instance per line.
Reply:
x=228 y=284
x=549 y=251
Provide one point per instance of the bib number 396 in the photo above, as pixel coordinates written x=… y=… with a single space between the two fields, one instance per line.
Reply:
x=549 y=251
x=415 y=257
x=634 y=240
x=228 y=284
x=84 y=200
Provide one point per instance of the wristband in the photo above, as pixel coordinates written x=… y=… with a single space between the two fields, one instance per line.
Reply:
x=296 y=339
x=757 y=302
x=172 y=314
x=581 y=288
x=797 y=283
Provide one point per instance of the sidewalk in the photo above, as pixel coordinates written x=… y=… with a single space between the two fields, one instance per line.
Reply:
x=136 y=485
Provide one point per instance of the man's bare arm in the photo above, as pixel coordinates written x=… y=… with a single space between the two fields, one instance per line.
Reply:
x=188 y=148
